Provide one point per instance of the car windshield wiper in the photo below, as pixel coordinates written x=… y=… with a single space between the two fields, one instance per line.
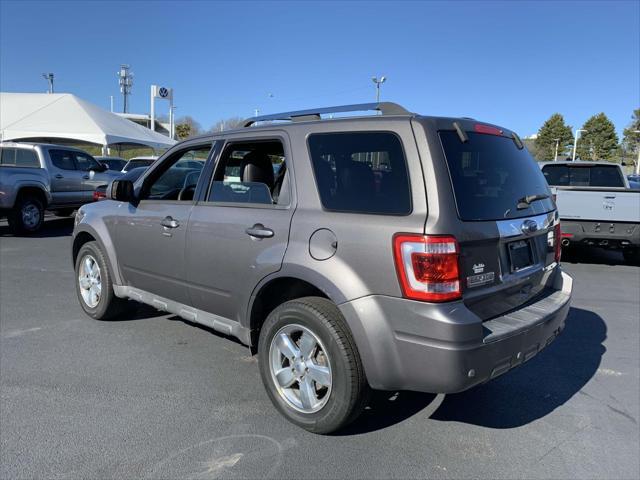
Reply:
x=524 y=202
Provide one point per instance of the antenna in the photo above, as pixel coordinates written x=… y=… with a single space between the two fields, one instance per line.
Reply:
x=125 y=80
x=49 y=78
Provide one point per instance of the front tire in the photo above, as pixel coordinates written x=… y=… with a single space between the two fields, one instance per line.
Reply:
x=27 y=215
x=310 y=365
x=94 y=284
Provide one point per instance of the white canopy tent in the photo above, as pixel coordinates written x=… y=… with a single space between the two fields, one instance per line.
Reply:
x=65 y=117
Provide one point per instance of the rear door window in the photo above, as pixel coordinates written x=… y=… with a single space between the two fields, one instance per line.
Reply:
x=490 y=175
x=363 y=172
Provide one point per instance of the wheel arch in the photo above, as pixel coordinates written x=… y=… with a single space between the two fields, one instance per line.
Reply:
x=35 y=190
x=287 y=284
x=84 y=234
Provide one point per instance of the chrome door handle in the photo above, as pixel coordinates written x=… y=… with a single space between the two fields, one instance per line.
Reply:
x=169 y=222
x=58 y=176
x=259 y=231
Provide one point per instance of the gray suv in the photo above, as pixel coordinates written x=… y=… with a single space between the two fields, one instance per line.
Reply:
x=393 y=251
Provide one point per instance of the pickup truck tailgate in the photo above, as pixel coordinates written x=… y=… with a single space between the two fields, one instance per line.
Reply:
x=603 y=205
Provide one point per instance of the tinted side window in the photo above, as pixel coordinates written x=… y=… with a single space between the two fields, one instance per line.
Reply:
x=605 y=176
x=556 y=175
x=62 y=159
x=8 y=156
x=26 y=158
x=362 y=172
x=84 y=162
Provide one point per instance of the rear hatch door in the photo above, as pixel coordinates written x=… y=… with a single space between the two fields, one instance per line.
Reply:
x=506 y=218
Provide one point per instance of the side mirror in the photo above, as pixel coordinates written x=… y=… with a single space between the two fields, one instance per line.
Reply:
x=122 y=191
x=98 y=168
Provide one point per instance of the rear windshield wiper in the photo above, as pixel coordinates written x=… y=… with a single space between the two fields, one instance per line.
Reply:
x=524 y=202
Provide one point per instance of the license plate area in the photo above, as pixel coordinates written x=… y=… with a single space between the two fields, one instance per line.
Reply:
x=520 y=255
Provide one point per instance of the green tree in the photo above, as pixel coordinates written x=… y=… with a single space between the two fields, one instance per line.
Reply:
x=600 y=140
x=227 y=124
x=554 y=129
x=631 y=139
x=187 y=127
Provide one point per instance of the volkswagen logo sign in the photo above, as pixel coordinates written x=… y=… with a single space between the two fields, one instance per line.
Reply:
x=163 y=92
x=529 y=227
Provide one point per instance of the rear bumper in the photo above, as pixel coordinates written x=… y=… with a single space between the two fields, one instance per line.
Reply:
x=603 y=234
x=445 y=348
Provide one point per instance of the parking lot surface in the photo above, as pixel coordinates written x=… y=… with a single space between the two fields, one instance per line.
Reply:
x=153 y=396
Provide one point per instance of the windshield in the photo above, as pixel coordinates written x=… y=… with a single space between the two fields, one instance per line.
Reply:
x=139 y=163
x=491 y=175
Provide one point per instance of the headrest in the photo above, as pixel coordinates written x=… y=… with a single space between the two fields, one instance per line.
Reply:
x=256 y=167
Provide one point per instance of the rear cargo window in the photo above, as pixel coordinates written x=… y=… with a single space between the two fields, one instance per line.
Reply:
x=583 y=176
x=490 y=176
x=363 y=172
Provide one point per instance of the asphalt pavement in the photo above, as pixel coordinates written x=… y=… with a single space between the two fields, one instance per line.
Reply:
x=152 y=396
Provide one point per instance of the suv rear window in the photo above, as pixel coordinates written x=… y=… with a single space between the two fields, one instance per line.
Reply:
x=490 y=174
x=583 y=176
x=363 y=172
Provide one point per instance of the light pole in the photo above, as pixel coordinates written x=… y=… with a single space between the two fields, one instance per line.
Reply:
x=575 y=142
x=49 y=78
x=555 y=158
x=378 y=83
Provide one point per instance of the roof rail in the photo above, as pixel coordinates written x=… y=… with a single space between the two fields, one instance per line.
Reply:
x=386 y=108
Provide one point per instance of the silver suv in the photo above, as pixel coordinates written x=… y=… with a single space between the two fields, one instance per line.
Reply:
x=393 y=251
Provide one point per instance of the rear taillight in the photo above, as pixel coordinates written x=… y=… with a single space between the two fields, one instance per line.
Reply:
x=97 y=195
x=427 y=267
x=557 y=245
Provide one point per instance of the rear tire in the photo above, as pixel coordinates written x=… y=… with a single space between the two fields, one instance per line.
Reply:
x=27 y=216
x=322 y=387
x=94 y=284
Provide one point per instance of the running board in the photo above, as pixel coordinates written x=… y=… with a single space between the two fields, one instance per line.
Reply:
x=216 y=322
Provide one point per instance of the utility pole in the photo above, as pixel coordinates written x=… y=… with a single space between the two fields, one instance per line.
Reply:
x=125 y=80
x=378 y=83
x=575 y=142
x=49 y=78
x=555 y=158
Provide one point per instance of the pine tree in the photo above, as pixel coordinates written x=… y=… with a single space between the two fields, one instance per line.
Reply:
x=600 y=140
x=554 y=129
x=631 y=139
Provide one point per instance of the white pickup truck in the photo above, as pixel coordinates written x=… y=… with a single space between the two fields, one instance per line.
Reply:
x=596 y=205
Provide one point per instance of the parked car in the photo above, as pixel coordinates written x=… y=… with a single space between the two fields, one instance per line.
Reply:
x=35 y=177
x=596 y=205
x=136 y=162
x=393 y=252
x=112 y=163
x=100 y=192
